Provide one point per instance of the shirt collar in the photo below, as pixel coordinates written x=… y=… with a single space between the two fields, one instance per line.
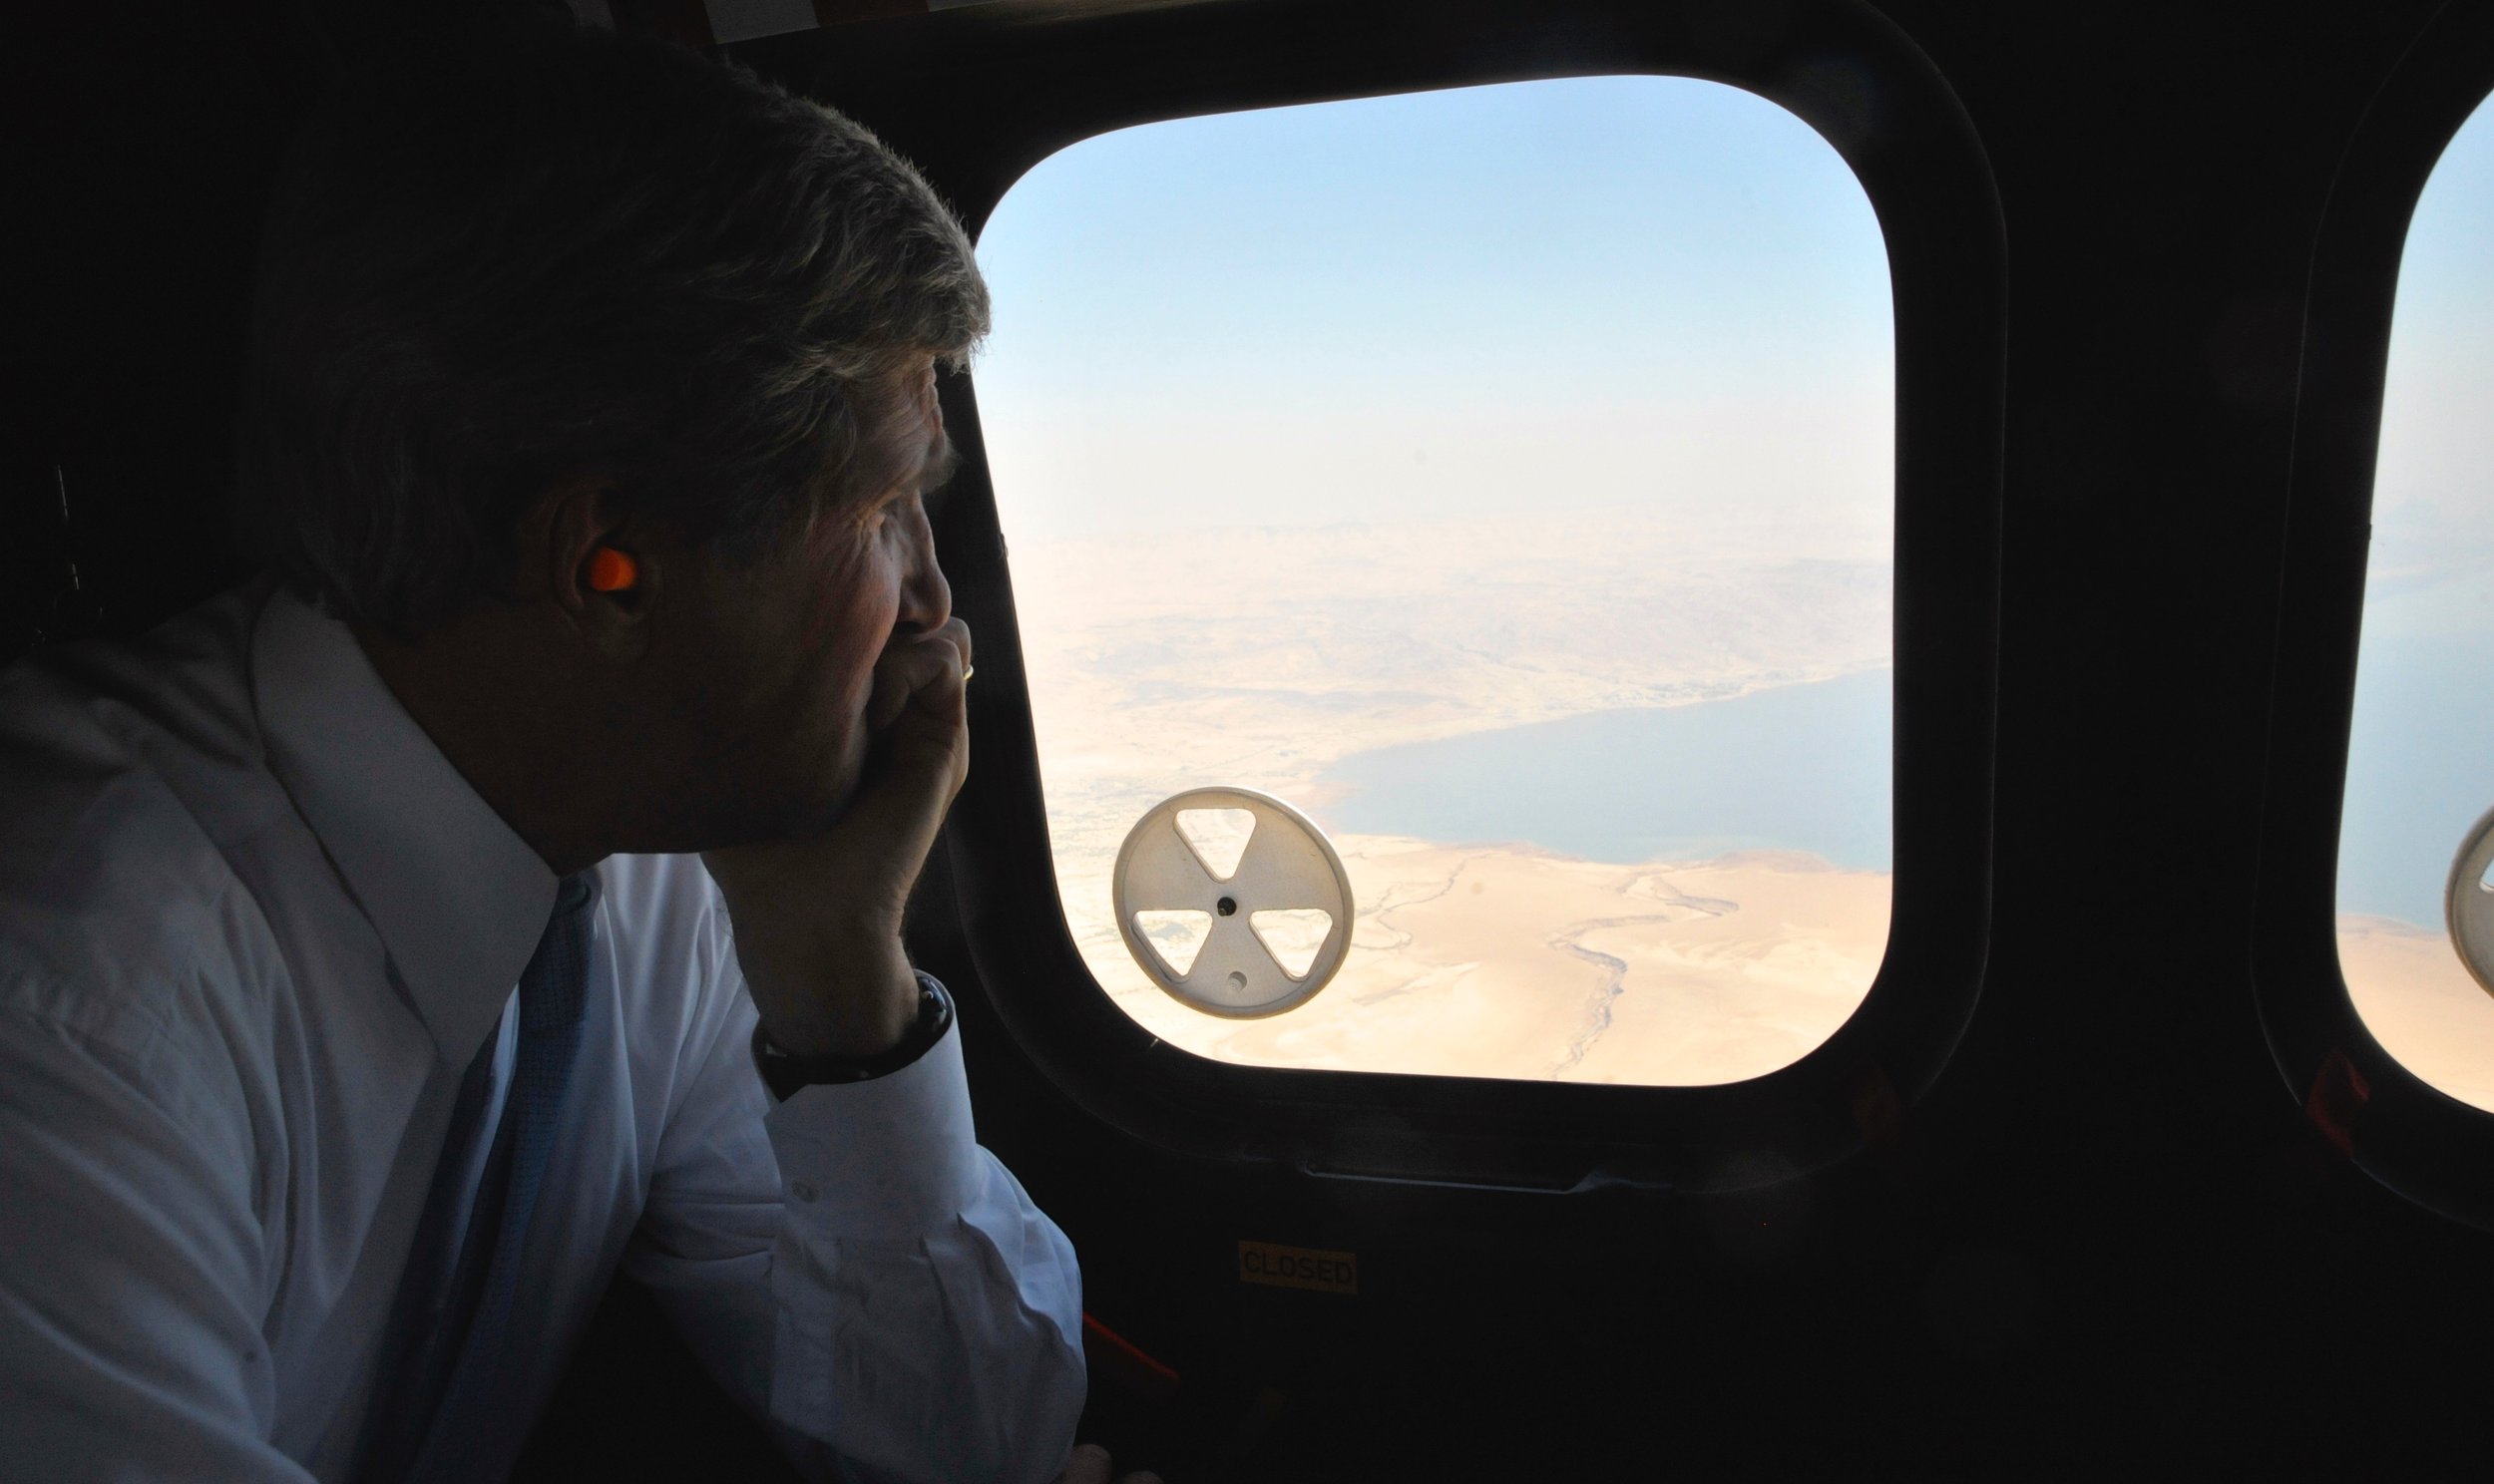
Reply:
x=458 y=897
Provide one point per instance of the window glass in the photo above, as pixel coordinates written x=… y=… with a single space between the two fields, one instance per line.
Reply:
x=1503 y=478
x=2420 y=768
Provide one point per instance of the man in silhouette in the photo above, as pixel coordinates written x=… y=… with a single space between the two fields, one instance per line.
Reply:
x=505 y=888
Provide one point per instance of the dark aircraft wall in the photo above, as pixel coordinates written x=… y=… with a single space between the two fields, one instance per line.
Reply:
x=2109 y=1237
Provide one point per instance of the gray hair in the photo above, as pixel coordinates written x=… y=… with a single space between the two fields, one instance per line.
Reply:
x=583 y=256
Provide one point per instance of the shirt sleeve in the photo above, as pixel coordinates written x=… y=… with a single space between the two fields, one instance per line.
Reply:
x=858 y=1272
x=129 y=1344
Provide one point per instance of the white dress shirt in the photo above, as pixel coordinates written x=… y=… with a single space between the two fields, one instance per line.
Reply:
x=253 y=929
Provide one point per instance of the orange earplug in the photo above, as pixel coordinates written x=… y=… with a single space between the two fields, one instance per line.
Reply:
x=609 y=570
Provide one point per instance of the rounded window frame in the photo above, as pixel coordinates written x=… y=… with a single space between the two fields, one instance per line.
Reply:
x=2414 y=1138
x=1047 y=79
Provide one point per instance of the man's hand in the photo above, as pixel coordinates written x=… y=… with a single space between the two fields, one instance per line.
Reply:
x=1089 y=1465
x=818 y=921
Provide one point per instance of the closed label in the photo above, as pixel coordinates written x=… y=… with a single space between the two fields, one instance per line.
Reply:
x=1298 y=1267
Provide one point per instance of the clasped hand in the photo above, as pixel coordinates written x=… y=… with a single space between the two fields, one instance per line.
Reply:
x=818 y=920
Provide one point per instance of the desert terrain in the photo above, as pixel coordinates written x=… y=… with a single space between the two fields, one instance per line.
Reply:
x=2419 y=1000
x=1259 y=657
x=1511 y=962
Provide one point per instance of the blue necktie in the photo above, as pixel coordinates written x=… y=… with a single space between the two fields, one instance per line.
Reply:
x=451 y=1341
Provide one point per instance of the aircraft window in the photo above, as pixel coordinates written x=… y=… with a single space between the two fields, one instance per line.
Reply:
x=1502 y=477
x=2417 y=774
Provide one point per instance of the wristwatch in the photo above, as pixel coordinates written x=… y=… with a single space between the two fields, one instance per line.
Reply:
x=783 y=1074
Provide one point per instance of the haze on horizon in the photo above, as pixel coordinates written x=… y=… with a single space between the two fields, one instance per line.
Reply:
x=1582 y=294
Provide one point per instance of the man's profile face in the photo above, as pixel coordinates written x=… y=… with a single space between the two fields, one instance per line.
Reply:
x=776 y=661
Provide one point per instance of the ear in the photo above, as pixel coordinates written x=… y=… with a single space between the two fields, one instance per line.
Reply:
x=576 y=521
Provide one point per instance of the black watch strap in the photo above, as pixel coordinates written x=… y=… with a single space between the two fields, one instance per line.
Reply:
x=783 y=1074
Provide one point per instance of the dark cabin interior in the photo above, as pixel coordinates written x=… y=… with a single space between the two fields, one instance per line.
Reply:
x=2107 y=1175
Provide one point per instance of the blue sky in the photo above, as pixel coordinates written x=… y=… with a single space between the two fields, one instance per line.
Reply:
x=2418 y=773
x=2437 y=423
x=1568 y=294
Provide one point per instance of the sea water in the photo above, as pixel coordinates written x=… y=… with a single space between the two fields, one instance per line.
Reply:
x=1797 y=767
x=1806 y=767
